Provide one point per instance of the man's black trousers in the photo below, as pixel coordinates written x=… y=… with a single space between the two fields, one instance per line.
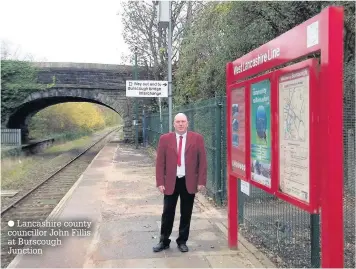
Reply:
x=169 y=208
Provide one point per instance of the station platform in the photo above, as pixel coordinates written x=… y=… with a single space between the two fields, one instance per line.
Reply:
x=117 y=194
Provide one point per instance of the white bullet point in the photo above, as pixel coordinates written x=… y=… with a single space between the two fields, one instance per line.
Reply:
x=11 y=223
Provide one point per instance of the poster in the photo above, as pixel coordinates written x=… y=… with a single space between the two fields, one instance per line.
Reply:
x=261 y=132
x=238 y=149
x=294 y=134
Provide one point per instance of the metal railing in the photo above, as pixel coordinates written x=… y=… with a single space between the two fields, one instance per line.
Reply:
x=11 y=137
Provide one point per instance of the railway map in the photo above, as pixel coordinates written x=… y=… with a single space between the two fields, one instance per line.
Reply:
x=294 y=135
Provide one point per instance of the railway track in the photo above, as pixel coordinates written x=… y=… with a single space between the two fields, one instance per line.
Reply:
x=37 y=203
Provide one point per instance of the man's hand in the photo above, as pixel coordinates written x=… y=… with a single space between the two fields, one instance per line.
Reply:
x=161 y=188
x=200 y=187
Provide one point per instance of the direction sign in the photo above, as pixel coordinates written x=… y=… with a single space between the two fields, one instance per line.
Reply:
x=146 y=88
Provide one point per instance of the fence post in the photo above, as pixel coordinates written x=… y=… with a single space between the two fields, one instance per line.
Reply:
x=191 y=116
x=223 y=149
x=218 y=157
x=315 y=240
x=143 y=127
x=19 y=136
x=241 y=199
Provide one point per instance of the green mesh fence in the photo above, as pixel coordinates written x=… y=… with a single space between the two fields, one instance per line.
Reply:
x=349 y=174
x=281 y=230
x=288 y=235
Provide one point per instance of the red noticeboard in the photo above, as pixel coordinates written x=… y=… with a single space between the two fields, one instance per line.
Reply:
x=285 y=126
x=288 y=98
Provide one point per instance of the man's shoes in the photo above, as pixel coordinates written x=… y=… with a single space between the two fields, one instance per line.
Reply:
x=159 y=247
x=183 y=247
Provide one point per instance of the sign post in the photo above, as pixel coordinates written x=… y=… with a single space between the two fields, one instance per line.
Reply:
x=136 y=101
x=285 y=126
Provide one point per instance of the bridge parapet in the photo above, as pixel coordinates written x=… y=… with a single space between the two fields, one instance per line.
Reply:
x=87 y=75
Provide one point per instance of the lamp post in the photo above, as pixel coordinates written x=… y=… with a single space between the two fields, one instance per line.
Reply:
x=170 y=66
x=136 y=101
x=164 y=15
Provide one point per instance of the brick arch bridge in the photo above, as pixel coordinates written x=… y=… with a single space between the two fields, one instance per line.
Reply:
x=79 y=82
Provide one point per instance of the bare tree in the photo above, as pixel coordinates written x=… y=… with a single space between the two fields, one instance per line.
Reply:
x=10 y=51
x=141 y=31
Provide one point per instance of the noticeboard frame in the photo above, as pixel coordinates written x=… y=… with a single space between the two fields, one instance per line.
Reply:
x=312 y=66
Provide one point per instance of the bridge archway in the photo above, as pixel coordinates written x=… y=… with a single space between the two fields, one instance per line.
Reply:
x=38 y=101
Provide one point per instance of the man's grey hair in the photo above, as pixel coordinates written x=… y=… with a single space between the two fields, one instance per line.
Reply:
x=180 y=114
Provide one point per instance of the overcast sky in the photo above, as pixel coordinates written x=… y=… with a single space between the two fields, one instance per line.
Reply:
x=86 y=31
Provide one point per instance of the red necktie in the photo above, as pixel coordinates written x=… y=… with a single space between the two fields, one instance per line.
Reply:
x=180 y=151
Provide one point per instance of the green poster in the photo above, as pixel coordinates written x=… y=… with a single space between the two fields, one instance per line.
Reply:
x=261 y=132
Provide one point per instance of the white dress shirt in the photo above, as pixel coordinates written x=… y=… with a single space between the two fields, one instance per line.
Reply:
x=181 y=168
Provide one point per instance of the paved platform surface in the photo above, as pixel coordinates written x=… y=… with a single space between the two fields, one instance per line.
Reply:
x=117 y=194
